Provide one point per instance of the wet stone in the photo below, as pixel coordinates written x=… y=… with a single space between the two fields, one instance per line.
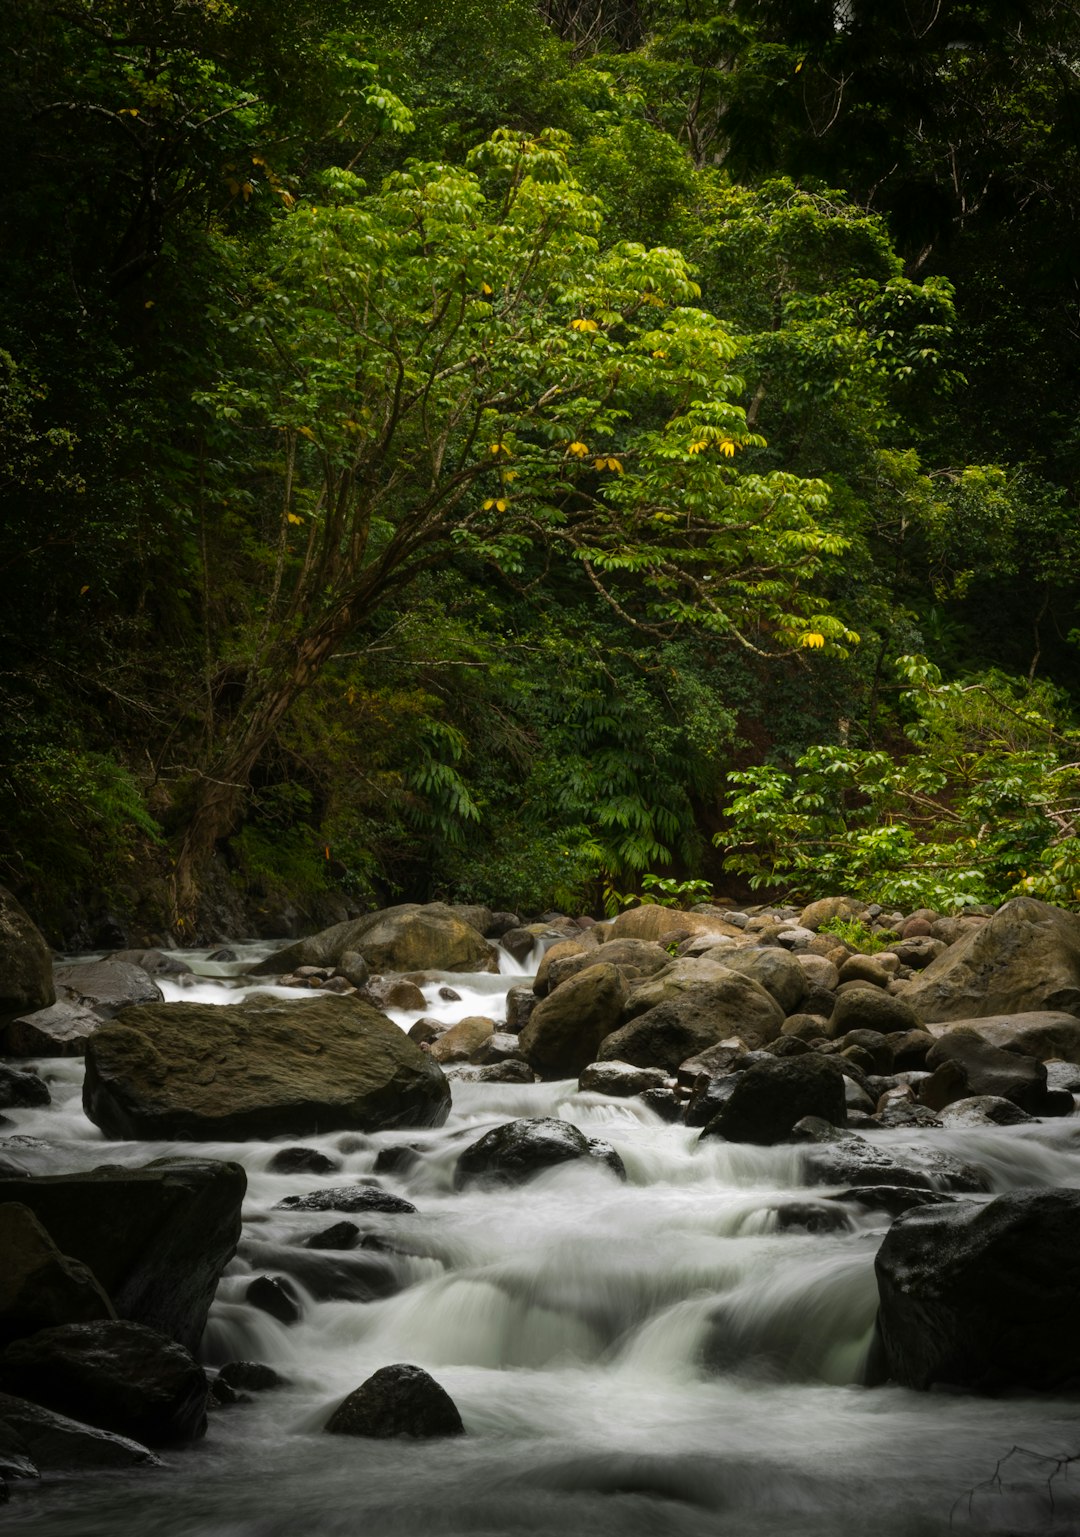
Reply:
x=250 y=1376
x=342 y=1235
x=347 y=1198
x=302 y=1160
x=276 y=1296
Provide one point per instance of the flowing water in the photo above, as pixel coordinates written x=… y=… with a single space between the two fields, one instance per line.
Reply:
x=660 y=1357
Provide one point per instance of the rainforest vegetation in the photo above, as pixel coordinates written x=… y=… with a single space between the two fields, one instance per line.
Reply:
x=530 y=453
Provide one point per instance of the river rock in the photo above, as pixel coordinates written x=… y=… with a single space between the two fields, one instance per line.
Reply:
x=117 y=1375
x=566 y=1028
x=410 y=937
x=61 y=1030
x=158 y=963
x=769 y=1098
x=620 y=1080
x=467 y=1041
x=871 y=1008
x=276 y=1296
x=984 y=1110
x=39 y=1286
x=54 y=1443
x=347 y=1198
x=250 y=1376
x=393 y=993
x=398 y=1400
x=1041 y=1034
x=328 y=1275
x=1025 y=959
x=156 y=1238
x=337 y=1237
x=683 y=974
x=512 y=1153
x=848 y=1159
x=634 y=958
x=263 y=1068
x=825 y=909
x=22 y=1090
x=977 y=1068
x=302 y=1160
x=779 y=973
x=106 y=987
x=26 y=972
x=520 y=1002
x=513 y=1070
x=695 y=1019
x=983 y=1297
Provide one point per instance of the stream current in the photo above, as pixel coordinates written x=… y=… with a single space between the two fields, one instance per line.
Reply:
x=660 y=1358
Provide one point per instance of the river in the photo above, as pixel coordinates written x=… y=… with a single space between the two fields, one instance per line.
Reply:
x=660 y=1358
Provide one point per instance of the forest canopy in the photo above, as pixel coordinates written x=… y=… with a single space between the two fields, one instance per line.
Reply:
x=532 y=453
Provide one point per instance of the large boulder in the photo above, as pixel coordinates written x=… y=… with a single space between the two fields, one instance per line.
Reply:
x=633 y=957
x=26 y=980
x=871 y=1008
x=61 y=1030
x=39 y=1286
x=843 y=1158
x=687 y=972
x=565 y=1029
x=56 y=1444
x=512 y=1153
x=398 y=1400
x=156 y=1238
x=767 y=1100
x=693 y=1019
x=105 y=987
x=411 y=937
x=974 y=1067
x=1041 y=1034
x=667 y=925
x=263 y=1068
x=119 y=1376
x=777 y=972
x=467 y=1041
x=983 y=1297
x=1026 y=958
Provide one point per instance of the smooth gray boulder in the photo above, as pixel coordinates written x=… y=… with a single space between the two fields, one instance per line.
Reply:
x=1041 y=1034
x=61 y=1030
x=1025 y=958
x=263 y=1068
x=982 y=1297
x=973 y=1068
x=105 y=987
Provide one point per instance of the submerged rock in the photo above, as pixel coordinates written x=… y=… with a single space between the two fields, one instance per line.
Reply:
x=983 y=1297
x=399 y=1400
x=347 y=1198
x=262 y=1068
x=513 y=1153
x=119 y=1376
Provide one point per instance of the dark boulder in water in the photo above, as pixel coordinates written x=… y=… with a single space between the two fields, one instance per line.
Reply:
x=250 y=1376
x=156 y=1238
x=302 y=1160
x=767 y=1100
x=263 y=1068
x=275 y=1295
x=399 y=1400
x=347 y=1198
x=515 y=1152
x=982 y=1297
x=116 y=1375
x=55 y=1443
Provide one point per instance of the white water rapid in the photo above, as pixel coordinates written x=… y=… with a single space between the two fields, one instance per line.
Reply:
x=661 y=1358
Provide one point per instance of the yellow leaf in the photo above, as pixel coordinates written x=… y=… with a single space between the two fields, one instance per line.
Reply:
x=128 y=112
x=84 y=590
x=292 y=517
x=247 y=189
x=499 y=448
x=699 y=446
x=486 y=288
x=608 y=464
x=149 y=304
x=813 y=640
x=306 y=432
x=489 y=504
x=508 y=476
x=583 y=325
x=660 y=353
x=727 y=447
x=613 y=464
x=799 y=65
x=579 y=450
x=501 y=505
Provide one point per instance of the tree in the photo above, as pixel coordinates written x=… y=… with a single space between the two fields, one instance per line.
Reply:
x=458 y=365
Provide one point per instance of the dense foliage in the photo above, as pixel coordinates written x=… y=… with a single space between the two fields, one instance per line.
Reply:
x=537 y=454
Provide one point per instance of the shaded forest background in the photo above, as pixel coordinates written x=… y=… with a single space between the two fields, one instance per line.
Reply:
x=512 y=453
